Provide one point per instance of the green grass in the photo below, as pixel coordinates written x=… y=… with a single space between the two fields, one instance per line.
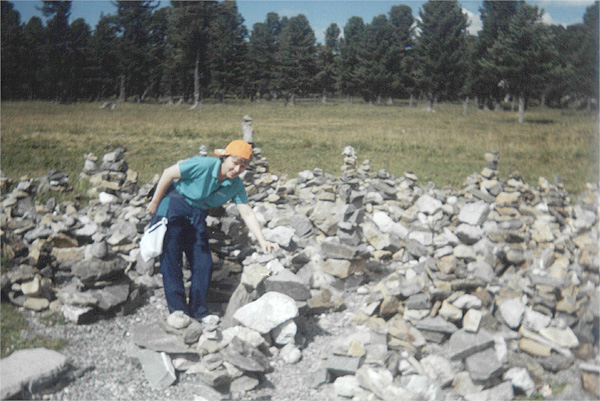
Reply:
x=444 y=147
x=12 y=323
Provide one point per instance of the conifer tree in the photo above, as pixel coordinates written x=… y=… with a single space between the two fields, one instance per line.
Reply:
x=328 y=64
x=228 y=49
x=350 y=46
x=103 y=59
x=264 y=45
x=440 y=49
x=12 y=52
x=524 y=56
x=133 y=22
x=296 y=58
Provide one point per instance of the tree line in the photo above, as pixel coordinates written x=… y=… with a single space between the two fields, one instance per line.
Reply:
x=193 y=50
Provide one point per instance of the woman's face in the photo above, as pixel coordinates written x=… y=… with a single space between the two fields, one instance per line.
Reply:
x=233 y=166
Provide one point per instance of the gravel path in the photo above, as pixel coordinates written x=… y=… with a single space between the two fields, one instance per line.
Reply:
x=103 y=371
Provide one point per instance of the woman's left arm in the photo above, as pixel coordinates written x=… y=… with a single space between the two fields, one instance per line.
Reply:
x=254 y=226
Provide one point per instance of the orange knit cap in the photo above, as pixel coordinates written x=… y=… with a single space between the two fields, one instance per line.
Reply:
x=236 y=148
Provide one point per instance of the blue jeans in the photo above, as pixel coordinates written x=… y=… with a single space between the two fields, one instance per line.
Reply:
x=186 y=232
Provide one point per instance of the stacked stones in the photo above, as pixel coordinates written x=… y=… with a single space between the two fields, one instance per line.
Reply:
x=113 y=181
x=70 y=258
x=479 y=293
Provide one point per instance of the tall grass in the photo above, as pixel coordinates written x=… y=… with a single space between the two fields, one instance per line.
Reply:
x=443 y=147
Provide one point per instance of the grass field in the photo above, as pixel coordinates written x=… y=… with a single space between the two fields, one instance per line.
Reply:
x=443 y=147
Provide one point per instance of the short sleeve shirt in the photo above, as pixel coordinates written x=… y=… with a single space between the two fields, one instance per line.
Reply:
x=201 y=188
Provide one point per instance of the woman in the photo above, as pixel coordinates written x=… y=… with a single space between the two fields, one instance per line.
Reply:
x=184 y=193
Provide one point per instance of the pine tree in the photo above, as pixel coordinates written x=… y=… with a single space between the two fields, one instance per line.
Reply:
x=524 y=56
x=190 y=35
x=264 y=45
x=296 y=58
x=34 y=41
x=103 y=60
x=56 y=51
x=440 y=50
x=495 y=18
x=350 y=46
x=228 y=50
x=397 y=60
x=327 y=62
x=13 y=79
x=134 y=21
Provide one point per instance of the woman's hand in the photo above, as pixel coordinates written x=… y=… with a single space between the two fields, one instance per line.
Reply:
x=151 y=208
x=268 y=247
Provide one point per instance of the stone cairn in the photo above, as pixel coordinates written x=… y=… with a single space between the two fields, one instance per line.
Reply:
x=478 y=293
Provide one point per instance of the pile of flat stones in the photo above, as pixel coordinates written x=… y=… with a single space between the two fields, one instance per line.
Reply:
x=478 y=293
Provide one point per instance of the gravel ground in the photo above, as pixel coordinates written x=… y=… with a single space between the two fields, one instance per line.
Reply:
x=103 y=371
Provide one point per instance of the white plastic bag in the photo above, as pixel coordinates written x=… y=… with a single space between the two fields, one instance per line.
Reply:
x=151 y=244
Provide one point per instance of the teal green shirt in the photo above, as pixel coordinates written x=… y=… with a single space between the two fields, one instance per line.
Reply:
x=201 y=188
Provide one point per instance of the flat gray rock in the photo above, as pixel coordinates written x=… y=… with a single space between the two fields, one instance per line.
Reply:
x=29 y=368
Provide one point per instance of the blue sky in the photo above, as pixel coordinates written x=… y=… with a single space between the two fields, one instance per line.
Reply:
x=322 y=13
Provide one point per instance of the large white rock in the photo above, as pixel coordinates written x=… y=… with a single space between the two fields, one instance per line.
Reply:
x=267 y=312
x=474 y=213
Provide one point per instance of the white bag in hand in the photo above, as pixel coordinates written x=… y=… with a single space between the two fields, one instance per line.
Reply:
x=151 y=244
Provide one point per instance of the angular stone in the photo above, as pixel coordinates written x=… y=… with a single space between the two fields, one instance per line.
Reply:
x=502 y=392
x=335 y=250
x=563 y=337
x=463 y=384
x=474 y=213
x=156 y=339
x=90 y=271
x=533 y=347
x=508 y=199
x=289 y=284
x=267 y=312
x=243 y=384
x=438 y=368
x=428 y=205
x=337 y=267
x=158 y=368
x=281 y=235
x=471 y=320
x=450 y=312
x=343 y=365
x=512 y=311
x=520 y=379
x=483 y=366
x=245 y=357
x=254 y=275
x=22 y=370
x=436 y=324
x=462 y=344
x=346 y=386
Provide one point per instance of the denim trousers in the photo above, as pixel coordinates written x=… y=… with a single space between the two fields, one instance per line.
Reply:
x=186 y=233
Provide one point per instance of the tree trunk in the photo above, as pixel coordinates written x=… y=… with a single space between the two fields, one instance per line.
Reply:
x=429 y=103
x=411 y=101
x=122 y=89
x=466 y=106
x=197 y=102
x=390 y=101
x=521 y=108
x=476 y=102
x=324 y=97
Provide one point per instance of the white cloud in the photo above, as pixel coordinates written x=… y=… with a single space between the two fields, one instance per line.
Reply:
x=548 y=20
x=475 y=24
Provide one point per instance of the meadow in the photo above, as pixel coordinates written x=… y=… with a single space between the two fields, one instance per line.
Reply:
x=443 y=147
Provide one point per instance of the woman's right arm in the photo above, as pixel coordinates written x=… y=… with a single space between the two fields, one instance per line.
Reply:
x=167 y=177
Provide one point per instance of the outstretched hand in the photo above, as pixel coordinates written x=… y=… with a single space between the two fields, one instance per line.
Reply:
x=268 y=247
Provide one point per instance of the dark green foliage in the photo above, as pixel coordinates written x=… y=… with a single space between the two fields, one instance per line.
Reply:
x=440 y=63
x=193 y=49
